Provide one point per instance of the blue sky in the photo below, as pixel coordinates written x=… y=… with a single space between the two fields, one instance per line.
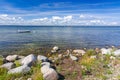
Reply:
x=59 y=12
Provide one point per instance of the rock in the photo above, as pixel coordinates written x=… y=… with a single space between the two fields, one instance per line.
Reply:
x=93 y=57
x=73 y=58
x=42 y=58
x=28 y=60
x=8 y=66
x=44 y=69
x=117 y=52
x=60 y=56
x=51 y=75
x=55 y=49
x=82 y=52
x=112 y=57
x=106 y=51
x=29 y=79
x=21 y=69
x=45 y=64
x=11 y=57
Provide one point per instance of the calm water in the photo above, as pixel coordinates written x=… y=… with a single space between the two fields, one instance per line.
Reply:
x=75 y=37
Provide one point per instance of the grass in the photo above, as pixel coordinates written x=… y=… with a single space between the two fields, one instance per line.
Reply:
x=36 y=73
x=17 y=63
x=98 y=67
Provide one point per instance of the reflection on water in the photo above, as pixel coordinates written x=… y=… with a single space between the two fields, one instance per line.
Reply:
x=77 y=37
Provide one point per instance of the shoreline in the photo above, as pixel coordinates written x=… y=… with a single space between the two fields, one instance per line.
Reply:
x=71 y=64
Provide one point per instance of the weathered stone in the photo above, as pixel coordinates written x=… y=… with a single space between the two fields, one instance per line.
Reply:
x=29 y=79
x=21 y=69
x=106 y=51
x=42 y=58
x=117 y=52
x=8 y=65
x=51 y=75
x=29 y=60
x=44 y=69
x=73 y=58
x=55 y=48
x=11 y=57
x=93 y=57
x=82 y=52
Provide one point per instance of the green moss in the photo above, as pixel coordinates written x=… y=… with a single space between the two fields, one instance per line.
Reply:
x=17 y=63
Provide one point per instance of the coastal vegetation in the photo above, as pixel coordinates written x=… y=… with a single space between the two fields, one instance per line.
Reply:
x=71 y=64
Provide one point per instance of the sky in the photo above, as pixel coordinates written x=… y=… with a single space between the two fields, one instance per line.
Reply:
x=60 y=12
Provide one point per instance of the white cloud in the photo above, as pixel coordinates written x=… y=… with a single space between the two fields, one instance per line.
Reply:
x=82 y=19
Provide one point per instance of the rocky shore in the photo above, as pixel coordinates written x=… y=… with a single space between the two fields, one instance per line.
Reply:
x=70 y=64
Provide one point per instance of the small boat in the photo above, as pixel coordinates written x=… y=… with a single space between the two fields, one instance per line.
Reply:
x=23 y=31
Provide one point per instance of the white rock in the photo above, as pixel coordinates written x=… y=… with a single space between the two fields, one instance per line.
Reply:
x=73 y=58
x=79 y=51
x=112 y=57
x=55 y=48
x=28 y=60
x=93 y=57
x=51 y=75
x=117 y=52
x=21 y=69
x=106 y=51
x=8 y=66
x=11 y=57
x=45 y=64
x=42 y=58
x=44 y=69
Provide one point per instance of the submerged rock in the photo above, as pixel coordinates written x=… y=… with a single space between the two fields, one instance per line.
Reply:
x=8 y=66
x=42 y=58
x=79 y=51
x=29 y=60
x=11 y=57
x=21 y=69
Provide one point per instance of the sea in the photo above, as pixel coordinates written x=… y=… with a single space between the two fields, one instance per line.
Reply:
x=62 y=36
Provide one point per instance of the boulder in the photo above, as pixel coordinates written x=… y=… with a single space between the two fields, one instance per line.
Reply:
x=28 y=60
x=8 y=65
x=117 y=52
x=106 y=51
x=42 y=58
x=21 y=69
x=11 y=57
x=79 y=51
x=51 y=75
x=44 y=69
x=45 y=64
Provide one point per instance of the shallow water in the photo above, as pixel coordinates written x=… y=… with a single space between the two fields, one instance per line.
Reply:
x=63 y=36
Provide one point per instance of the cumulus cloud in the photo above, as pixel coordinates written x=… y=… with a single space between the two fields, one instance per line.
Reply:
x=81 y=19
